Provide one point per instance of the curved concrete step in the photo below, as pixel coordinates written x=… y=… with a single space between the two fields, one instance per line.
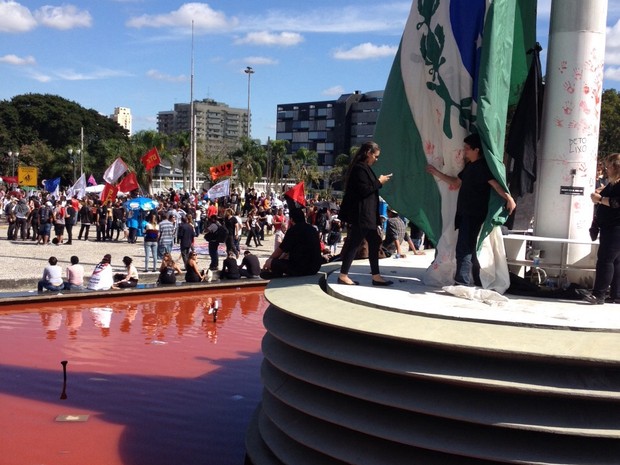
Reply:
x=562 y=415
x=348 y=446
x=430 y=433
x=485 y=370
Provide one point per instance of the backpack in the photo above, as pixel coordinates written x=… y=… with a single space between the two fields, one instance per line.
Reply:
x=218 y=236
x=45 y=214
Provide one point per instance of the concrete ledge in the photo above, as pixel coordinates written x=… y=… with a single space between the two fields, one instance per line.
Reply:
x=349 y=380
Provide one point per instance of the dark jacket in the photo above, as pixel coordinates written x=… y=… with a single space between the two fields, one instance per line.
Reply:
x=360 y=205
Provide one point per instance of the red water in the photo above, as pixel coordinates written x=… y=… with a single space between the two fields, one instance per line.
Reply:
x=162 y=383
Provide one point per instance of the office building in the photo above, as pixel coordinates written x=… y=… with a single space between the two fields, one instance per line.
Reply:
x=219 y=128
x=122 y=116
x=329 y=127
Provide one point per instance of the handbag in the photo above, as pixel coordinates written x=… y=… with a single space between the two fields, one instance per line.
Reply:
x=594 y=229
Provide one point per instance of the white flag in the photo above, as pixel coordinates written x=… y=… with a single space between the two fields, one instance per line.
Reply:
x=79 y=188
x=115 y=171
x=221 y=189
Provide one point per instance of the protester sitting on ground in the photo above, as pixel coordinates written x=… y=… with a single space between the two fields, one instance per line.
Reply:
x=250 y=266
x=230 y=267
x=52 y=277
x=129 y=278
x=168 y=270
x=192 y=273
x=394 y=233
x=102 y=278
x=302 y=248
x=75 y=275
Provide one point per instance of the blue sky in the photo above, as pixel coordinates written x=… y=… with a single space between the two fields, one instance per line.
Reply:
x=136 y=53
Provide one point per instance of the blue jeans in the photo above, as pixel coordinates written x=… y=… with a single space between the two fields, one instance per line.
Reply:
x=608 y=263
x=50 y=287
x=466 y=259
x=150 y=250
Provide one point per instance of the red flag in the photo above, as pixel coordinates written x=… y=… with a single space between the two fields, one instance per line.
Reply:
x=150 y=159
x=225 y=169
x=297 y=194
x=128 y=183
x=109 y=193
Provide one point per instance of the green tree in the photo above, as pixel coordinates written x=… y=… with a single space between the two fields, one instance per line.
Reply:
x=609 y=135
x=278 y=157
x=250 y=161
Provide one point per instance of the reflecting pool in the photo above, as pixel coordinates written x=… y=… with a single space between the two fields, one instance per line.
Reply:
x=170 y=379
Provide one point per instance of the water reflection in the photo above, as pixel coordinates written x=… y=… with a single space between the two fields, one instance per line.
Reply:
x=155 y=374
x=158 y=318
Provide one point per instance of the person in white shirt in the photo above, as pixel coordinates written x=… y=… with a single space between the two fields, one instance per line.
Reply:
x=102 y=278
x=52 y=277
x=127 y=279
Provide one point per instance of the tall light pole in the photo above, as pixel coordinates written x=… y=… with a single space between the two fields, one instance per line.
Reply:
x=249 y=71
x=70 y=152
x=13 y=156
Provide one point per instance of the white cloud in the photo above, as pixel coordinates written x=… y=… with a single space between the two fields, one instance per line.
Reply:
x=382 y=17
x=283 y=39
x=612 y=45
x=258 y=61
x=334 y=91
x=15 y=17
x=63 y=17
x=365 y=51
x=104 y=73
x=159 y=76
x=18 y=61
x=613 y=74
x=37 y=76
x=204 y=17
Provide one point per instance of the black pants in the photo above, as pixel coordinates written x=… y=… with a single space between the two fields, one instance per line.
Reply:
x=608 y=263
x=69 y=228
x=354 y=239
x=84 y=231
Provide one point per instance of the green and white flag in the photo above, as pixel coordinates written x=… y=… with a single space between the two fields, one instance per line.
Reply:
x=459 y=65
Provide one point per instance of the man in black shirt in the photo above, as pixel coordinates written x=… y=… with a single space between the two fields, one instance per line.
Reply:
x=474 y=183
x=250 y=266
x=299 y=254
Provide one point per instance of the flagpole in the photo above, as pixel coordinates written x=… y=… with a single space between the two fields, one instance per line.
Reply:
x=192 y=126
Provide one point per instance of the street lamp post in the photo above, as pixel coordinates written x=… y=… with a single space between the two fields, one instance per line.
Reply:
x=249 y=71
x=13 y=156
x=70 y=151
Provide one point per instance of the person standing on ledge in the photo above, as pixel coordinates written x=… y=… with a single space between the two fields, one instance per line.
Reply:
x=360 y=210
x=474 y=183
x=608 y=220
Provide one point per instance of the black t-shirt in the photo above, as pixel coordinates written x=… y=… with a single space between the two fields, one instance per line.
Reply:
x=609 y=216
x=473 y=199
x=302 y=244
x=251 y=263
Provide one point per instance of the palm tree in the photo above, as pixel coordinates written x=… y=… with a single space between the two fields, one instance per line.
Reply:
x=142 y=142
x=278 y=152
x=304 y=166
x=250 y=161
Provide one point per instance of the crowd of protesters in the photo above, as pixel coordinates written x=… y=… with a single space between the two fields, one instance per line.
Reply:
x=179 y=218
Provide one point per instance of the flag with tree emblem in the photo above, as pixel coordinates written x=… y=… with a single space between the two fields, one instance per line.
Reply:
x=458 y=66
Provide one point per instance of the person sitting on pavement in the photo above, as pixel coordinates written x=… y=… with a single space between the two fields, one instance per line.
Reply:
x=300 y=251
x=75 y=275
x=250 y=266
x=52 y=277
x=128 y=279
x=168 y=270
x=102 y=278
x=394 y=233
x=192 y=273
x=230 y=267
